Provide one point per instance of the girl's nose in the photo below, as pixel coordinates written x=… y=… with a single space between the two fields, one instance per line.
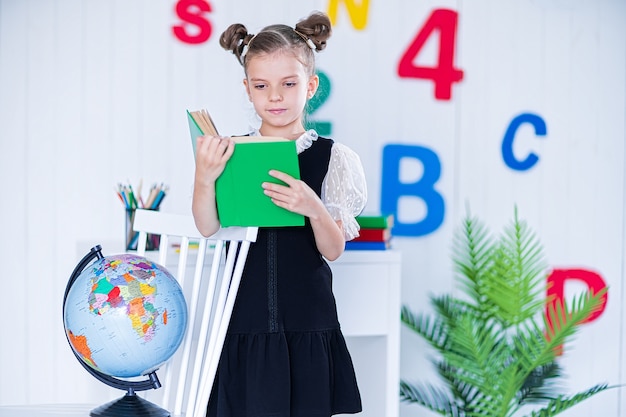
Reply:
x=275 y=95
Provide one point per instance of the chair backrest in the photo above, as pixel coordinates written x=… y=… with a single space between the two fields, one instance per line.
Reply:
x=190 y=373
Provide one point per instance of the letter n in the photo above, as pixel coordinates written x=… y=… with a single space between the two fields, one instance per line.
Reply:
x=357 y=12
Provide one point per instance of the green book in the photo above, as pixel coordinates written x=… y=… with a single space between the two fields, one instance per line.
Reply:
x=375 y=221
x=239 y=194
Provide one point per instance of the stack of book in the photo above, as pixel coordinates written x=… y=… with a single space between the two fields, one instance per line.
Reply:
x=375 y=233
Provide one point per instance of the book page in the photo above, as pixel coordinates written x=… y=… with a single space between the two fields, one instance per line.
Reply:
x=204 y=122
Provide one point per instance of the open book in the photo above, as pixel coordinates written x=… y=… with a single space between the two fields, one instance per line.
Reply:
x=239 y=194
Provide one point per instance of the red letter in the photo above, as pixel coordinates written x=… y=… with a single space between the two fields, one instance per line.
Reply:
x=190 y=12
x=556 y=291
x=444 y=74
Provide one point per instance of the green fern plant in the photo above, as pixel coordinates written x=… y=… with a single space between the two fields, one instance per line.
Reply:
x=497 y=355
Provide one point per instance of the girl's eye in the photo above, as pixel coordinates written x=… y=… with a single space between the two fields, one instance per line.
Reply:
x=290 y=84
x=259 y=86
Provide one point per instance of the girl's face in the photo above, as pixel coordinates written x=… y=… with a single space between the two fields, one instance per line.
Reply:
x=278 y=86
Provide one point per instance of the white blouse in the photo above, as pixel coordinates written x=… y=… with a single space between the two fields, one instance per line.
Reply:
x=344 y=191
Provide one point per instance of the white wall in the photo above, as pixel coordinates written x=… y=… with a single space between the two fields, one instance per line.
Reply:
x=93 y=93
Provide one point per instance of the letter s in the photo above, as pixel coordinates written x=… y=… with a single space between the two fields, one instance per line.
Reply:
x=191 y=13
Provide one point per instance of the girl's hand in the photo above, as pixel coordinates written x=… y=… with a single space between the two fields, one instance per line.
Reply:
x=212 y=153
x=296 y=196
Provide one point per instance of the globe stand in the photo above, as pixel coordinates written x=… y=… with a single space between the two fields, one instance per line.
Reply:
x=130 y=405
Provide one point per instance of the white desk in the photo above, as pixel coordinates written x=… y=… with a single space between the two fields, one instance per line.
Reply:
x=367 y=289
x=46 y=410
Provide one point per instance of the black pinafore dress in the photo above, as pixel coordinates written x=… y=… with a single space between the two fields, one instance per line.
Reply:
x=284 y=353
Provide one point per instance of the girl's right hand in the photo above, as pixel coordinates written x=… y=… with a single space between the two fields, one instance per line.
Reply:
x=212 y=153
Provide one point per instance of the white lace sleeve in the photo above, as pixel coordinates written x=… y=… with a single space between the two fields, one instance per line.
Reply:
x=344 y=191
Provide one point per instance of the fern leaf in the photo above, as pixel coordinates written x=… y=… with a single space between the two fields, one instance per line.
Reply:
x=541 y=385
x=562 y=403
x=471 y=251
x=465 y=393
x=433 y=329
x=431 y=397
x=516 y=275
x=564 y=318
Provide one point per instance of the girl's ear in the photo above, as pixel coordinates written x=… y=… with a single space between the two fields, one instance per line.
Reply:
x=314 y=82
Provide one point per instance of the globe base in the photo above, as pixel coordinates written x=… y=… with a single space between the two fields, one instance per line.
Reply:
x=130 y=405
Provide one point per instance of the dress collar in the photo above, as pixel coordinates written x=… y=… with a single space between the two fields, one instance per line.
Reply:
x=303 y=143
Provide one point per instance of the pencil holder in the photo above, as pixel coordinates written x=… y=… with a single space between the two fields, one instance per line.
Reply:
x=132 y=237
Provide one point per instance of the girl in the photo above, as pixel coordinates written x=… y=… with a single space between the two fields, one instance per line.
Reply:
x=284 y=354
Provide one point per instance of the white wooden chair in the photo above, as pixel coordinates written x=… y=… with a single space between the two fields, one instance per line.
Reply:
x=210 y=296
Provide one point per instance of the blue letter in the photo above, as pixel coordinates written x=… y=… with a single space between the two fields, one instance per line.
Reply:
x=393 y=189
x=507 y=141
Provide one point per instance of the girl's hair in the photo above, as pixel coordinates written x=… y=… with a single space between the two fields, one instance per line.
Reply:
x=308 y=35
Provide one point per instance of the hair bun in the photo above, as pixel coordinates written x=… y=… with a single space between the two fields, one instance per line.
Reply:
x=235 y=38
x=317 y=28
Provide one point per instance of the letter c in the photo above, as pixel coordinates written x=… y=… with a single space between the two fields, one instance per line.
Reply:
x=507 y=142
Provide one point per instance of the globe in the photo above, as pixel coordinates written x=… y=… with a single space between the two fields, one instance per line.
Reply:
x=124 y=317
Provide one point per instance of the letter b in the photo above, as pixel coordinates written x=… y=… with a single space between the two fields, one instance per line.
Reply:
x=424 y=188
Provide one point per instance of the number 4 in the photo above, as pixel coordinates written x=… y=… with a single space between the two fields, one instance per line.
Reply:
x=444 y=74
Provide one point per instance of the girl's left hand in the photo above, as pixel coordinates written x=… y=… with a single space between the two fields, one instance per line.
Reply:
x=296 y=196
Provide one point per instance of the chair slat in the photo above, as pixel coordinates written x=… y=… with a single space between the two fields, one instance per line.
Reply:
x=210 y=299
